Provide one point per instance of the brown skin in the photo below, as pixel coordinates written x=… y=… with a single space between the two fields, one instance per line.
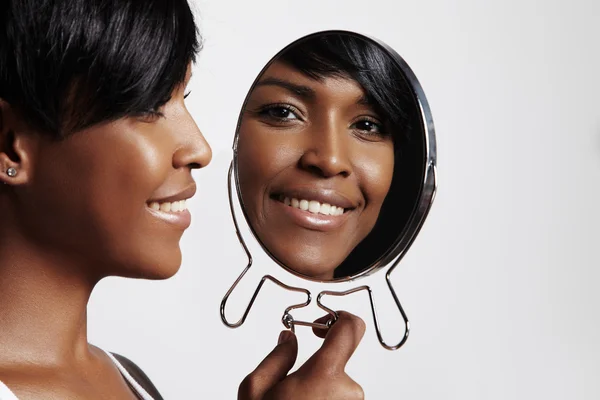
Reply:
x=322 y=377
x=75 y=213
x=322 y=138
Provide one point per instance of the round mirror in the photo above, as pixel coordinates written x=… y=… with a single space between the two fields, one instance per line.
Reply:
x=334 y=156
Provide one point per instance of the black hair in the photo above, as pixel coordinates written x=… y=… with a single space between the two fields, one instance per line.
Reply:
x=386 y=88
x=345 y=55
x=66 y=65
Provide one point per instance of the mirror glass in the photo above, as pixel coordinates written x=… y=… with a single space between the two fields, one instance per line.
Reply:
x=331 y=155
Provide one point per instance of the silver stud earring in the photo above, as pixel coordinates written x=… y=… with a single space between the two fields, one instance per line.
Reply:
x=11 y=172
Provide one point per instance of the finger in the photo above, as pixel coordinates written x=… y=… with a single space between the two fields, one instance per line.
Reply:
x=341 y=341
x=272 y=369
x=321 y=332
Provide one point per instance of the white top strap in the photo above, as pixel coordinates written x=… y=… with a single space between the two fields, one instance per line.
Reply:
x=136 y=386
x=5 y=393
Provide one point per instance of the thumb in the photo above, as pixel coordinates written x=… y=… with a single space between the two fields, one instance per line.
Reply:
x=272 y=369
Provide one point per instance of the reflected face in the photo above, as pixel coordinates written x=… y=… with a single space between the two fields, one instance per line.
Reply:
x=315 y=163
x=117 y=192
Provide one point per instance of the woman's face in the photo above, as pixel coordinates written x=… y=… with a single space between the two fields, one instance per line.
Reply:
x=315 y=164
x=113 y=195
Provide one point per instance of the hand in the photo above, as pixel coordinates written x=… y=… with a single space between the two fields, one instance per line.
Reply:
x=321 y=377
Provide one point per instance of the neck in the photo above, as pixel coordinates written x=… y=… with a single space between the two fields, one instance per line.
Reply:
x=43 y=302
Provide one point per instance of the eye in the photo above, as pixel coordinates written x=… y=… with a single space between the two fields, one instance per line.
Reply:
x=280 y=112
x=368 y=125
x=185 y=96
x=150 y=115
x=154 y=112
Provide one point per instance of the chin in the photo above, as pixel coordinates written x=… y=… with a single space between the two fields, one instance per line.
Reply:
x=312 y=261
x=312 y=268
x=162 y=273
x=165 y=270
x=160 y=267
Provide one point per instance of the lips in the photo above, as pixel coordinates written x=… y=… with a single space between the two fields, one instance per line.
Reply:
x=312 y=206
x=320 y=195
x=315 y=208
x=173 y=208
x=182 y=195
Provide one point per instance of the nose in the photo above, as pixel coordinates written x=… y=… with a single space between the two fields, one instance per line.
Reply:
x=194 y=151
x=326 y=151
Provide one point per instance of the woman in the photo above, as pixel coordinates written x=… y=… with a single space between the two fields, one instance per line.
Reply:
x=96 y=153
x=319 y=146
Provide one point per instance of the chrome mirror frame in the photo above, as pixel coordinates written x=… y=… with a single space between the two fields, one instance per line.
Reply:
x=391 y=257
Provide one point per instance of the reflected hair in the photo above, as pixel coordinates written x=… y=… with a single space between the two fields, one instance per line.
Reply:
x=347 y=56
x=388 y=92
x=66 y=65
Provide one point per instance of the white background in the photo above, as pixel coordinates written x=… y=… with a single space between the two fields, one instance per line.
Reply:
x=500 y=286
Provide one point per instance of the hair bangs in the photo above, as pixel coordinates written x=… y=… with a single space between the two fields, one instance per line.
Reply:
x=82 y=62
x=343 y=55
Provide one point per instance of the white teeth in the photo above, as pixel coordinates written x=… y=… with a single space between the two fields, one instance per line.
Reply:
x=325 y=209
x=304 y=205
x=313 y=206
x=175 y=206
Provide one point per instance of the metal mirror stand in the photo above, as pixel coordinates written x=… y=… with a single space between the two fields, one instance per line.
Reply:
x=287 y=319
x=393 y=256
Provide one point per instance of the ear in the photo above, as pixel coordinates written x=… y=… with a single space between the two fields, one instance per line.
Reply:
x=17 y=147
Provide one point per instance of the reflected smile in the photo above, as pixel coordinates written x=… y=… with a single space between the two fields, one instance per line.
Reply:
x=312 y=206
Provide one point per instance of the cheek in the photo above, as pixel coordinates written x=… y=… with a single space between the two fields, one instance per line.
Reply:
x=262 y=155
x=119 y=189
x=96 y=187
x=376 y=169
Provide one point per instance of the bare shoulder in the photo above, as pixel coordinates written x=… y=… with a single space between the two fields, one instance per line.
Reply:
x=31 y=383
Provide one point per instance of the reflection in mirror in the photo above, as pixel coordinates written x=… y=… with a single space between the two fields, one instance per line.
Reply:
x=330 y=156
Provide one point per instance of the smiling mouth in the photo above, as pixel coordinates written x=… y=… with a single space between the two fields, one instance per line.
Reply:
x=169 y=206
x=312 y=206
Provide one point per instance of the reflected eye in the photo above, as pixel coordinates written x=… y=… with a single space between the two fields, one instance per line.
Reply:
x=370 y=129
x=370 y=126
x=279 y=112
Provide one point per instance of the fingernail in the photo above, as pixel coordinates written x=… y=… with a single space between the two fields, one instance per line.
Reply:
x=284 y=336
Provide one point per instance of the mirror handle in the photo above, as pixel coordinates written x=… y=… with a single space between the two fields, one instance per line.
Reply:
x=373 y=310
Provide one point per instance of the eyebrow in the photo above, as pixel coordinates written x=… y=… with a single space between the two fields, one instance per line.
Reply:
x=364 y=101
x=305 y=91
x=300 y=90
